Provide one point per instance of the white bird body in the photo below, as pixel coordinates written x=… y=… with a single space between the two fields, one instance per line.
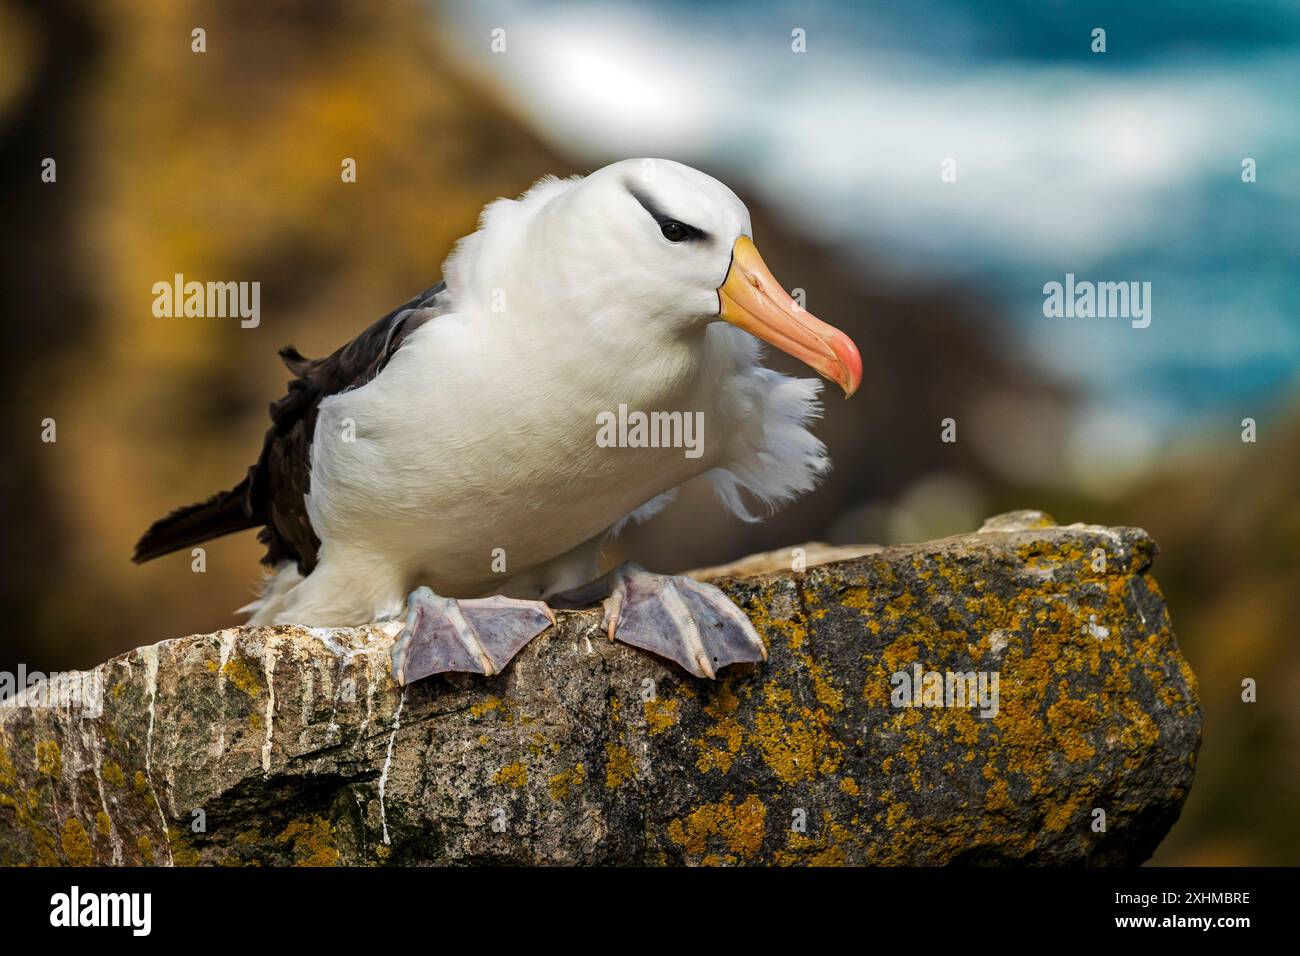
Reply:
x=460 y=445
x=477 y=443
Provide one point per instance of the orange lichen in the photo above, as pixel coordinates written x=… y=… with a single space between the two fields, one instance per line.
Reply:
x=739 y=827
x=721 y=708
x=514 y=775
x=76 y=843
x=562 y=783
x=312 y=841
x=660 y=715
x=618 y=765
x=49 y=759
x=484 y=707
x=238 y=672
x=113 y=773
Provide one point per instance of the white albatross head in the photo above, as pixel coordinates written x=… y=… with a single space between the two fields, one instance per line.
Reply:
x=644 y=244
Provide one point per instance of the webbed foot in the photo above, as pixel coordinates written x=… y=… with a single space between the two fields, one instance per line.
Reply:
x=477 y=636
x=679 y=618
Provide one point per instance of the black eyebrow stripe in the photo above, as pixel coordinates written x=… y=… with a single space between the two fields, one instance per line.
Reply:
x=693 y=233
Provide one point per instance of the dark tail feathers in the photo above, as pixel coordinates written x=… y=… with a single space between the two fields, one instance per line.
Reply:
x=224 y=513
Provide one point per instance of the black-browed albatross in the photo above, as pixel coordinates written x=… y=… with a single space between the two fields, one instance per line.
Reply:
x=457 y=435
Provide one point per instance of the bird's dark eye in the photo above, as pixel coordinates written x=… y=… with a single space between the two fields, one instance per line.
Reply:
x=673 y=230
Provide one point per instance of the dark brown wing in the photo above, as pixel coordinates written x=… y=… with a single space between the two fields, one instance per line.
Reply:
x=273 y=494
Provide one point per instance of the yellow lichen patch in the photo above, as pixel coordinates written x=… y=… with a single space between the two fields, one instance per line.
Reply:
x=8 y=775
x=514 y=775
x=49 y=759
x=898 y=655
x=826 y=850
x=767 y=626
x=183 y=852
x=739 y=827
x=241 y=675
x=660 y=715
x=796 y=749
x=113 y=773
x=141 y=783
x=745 y=835
x=997 y=798
x=1062 y=815
x=896 y=815
x=859 y=598
x=795 y=741
x=103 y=824
x=618 y=765
x=42 y=838
x=145 y=846
x=900 y=608
x=1070 y=721
x=1189 y=678
x=827 y=694
x=562 y=783
x=76 y=843
x=1141 y=732
x=721 y=708
x=255 y=720
x=850 y=786
x=961 y=724
x=485 y=707
x=312 y=840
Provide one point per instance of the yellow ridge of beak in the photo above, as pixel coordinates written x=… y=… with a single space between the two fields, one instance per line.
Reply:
x=750 y=298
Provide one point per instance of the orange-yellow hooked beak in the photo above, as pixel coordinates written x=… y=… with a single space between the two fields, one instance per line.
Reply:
x=753 y=300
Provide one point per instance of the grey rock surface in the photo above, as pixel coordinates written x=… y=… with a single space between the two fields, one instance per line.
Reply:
x=288 y=745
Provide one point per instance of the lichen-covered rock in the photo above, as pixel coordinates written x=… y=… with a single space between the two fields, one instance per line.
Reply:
x=290 y=745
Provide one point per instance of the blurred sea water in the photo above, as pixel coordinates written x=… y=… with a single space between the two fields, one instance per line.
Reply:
x=1117 y=166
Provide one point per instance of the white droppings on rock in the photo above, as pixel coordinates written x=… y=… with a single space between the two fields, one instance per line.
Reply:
x=370 y=699
x=1024 y=520
x=346 y=645
x=1137 y=601
x=1110 y=534
x=114 y=838
x=308 y=696
x=328 y=637
x=268 y=665
x=226 y=641
x=388 y=763
x=149 y=654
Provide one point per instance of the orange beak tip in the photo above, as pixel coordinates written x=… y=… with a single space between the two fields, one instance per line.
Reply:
x=751 y=298
x=851 y=361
